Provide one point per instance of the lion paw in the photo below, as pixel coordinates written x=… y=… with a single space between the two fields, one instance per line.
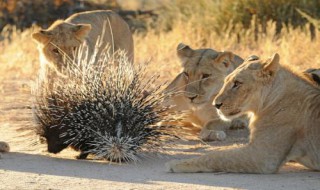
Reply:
x=179 y=166
x=212 y=135
x=170 y=166
x=238 y=124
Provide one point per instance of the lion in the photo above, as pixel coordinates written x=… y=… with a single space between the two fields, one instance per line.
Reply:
x=64 y=37
x=285 y=122
x=195 y=87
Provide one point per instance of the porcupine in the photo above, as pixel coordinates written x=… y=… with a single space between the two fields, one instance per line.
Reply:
x=103 y=109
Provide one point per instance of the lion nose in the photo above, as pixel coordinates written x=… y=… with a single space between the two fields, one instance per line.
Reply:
x=218 y=105
x=193 y=97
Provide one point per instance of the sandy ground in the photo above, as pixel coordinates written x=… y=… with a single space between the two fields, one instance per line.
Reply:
x=29 y=166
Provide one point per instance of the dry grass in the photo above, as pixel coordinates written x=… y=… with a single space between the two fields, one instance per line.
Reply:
x=19 y=66
x=293 y=45
x=199 y=24
x=19 y=57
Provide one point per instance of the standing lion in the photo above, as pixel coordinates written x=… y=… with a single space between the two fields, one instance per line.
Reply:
x=63 y=37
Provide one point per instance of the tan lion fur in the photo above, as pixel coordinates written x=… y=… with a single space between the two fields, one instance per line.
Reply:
x=285 y=125
x=63 y=37
x=195 y=87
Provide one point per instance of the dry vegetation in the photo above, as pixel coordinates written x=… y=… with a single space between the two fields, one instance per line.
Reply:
x=294 y=46
x=201 y=24
x=192 y=24
x=19 y=57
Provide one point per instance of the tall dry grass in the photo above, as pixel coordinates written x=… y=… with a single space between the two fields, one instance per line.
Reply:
x=19 y=61
x=19 y=56
x=293 y=45
x=218 y=15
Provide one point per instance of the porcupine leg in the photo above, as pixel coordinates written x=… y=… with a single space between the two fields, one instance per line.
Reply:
x=82 y=156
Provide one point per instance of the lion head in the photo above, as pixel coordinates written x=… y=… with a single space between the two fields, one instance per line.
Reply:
x=203 y=72
x=243 y=89
x=60 y=39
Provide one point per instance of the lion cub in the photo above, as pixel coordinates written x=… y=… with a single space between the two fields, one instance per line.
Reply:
x=285 y=124
x=63 y=37
x=195 y=87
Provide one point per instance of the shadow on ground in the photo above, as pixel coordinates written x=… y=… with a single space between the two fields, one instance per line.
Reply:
x=151 y=171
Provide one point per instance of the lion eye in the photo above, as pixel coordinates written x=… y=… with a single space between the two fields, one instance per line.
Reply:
x=204 y=76
x=236 y=84
x=186 y=74
x=55 y=50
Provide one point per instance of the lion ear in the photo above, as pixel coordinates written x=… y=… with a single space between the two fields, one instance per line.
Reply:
x=252 y=58
x=42 y=36
x=184 y=51
x=272 y=65
x=81 y=31
x=225 y=58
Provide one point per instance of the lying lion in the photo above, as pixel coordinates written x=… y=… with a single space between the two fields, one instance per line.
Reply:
x=285 y=123
x=194 y=89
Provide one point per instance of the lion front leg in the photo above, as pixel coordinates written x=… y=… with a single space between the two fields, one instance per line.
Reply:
x=246 y=159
